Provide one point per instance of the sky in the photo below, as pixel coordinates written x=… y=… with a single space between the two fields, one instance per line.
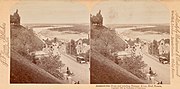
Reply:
x=51 y=12
x=114 y=12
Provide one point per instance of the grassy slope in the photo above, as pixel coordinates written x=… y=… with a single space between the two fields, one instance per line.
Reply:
x=23 y=39
x=105 y=71
x=104 y=39
x=22 y=70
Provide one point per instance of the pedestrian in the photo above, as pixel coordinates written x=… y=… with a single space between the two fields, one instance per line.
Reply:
x=67 y=68
x=150 y=71
x=78 y=82
x=68 y=71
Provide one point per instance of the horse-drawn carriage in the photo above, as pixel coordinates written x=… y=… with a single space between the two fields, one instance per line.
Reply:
x=81 y=59
x=163 y=60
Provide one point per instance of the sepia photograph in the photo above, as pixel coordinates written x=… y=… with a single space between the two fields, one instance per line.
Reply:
x=49 y=43
x=89 y=44
x=130 y=43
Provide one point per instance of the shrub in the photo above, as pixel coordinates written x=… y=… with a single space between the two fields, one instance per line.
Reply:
x=51 y=65
x=133 y=65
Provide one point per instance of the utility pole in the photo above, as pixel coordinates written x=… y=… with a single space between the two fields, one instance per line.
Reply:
x=152 y=48
x=70 y=47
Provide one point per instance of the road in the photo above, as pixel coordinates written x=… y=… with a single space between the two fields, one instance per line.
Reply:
x=162 y=70
x=81 y=71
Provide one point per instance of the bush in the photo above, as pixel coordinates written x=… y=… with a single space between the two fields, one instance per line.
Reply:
x=51 y=65
x=133 y=65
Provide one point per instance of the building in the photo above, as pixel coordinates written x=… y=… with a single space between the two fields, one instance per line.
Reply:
x=79 y=46
x=15 y=18
x=96 y=19
x=82 y=46
x=164 y=48
x=138 y=47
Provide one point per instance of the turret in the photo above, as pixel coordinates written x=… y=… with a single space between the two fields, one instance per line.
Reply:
x=15 y=18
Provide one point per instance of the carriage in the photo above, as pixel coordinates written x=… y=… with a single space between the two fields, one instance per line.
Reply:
x=163 y=60
x=81 y=59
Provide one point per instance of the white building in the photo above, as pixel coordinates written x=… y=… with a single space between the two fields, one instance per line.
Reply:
x=138 y=51
x=164 y=48
x=81 y=47
x=161 y=47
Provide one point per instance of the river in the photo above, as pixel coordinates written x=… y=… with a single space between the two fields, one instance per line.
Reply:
x=65 y=36
x=149 y=36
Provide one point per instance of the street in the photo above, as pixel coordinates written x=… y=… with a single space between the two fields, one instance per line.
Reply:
x=162 y=70
x=81 y=71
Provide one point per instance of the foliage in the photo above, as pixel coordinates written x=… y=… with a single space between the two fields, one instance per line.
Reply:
x=131 y=42
x=104 y=71
x=86 y=41
x=51 y=64
x=133 y=65
x=137 y=40
x=107 y=42
x=153 y=48
x=23 y=39
x=71 y=47
x=167 y=41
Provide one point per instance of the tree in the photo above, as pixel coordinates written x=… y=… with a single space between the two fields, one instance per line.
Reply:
x=130 y=42
x=55 y=40
x=107 y=38
x=150 y=48
x=87 y=56
x=73 y=47
x=134 y=65
x=51 y=65
x=155 y=47
x=167 y=41
x=137 y=40
x=68 y=48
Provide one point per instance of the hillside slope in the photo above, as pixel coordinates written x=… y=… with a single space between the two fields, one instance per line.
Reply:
x=104 y=39
x=23 y=39
x=105 y=71
x=22 y=70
